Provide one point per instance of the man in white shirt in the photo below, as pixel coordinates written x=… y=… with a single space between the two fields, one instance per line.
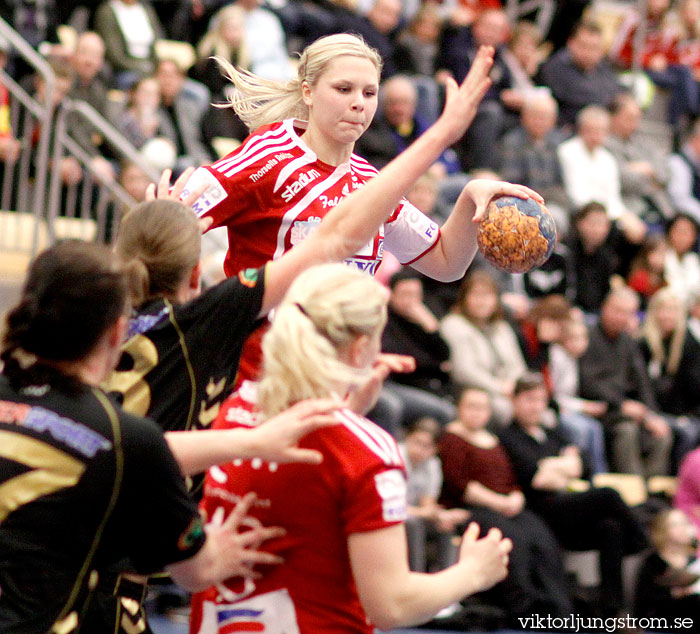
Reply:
x=590 y=172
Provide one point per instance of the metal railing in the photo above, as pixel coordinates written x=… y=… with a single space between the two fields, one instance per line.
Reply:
x=36 y=205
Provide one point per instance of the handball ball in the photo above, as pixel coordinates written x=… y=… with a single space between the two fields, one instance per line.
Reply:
x=516 y=234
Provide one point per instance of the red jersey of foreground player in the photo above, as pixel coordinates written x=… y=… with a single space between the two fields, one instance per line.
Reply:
x=359 y=487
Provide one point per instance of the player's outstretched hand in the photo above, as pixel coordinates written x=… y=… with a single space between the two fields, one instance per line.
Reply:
x=278 y=437
x=461 y=102
x=363 y=398
x=163 y=191
x=485 y=559
x=482 y=190
x=237 y=539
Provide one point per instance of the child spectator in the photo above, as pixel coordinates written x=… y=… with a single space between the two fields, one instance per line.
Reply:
x=427 y=520
x=479 y=476
x=667 y=585
x=577 y=416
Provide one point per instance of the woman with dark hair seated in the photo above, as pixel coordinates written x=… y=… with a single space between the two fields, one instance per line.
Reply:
x=479 y=477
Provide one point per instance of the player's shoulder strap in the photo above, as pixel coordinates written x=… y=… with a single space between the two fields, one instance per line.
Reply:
x=68 y=619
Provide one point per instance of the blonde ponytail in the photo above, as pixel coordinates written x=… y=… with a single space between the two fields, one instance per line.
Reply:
x=159 y=243
x=325 y=310
x=259 y=101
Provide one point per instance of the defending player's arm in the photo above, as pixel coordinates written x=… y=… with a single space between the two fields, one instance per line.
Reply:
x=226 y=552
x=275 y=441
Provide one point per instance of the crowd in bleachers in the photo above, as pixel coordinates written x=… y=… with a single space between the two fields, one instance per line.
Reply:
x=610 y=325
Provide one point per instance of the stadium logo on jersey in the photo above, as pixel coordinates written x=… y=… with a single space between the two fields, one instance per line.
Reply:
x=301 y=229
x=294 y=188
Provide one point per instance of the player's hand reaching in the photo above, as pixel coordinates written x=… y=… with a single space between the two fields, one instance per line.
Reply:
x=461 y=102
x=278 y=436
x=238 y=538
x=231 y=549
x=485 y=559
x=482 y=190
x=363 y=398
x=163 y=191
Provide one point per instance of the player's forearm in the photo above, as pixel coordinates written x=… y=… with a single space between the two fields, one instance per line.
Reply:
x=455 y=250
x=196 y=451
x=418 y=597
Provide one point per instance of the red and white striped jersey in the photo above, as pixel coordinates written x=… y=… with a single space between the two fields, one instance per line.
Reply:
x=360 y=486
x=272 y=191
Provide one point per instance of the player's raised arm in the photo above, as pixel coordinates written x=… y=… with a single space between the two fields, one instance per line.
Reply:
x=350 y=225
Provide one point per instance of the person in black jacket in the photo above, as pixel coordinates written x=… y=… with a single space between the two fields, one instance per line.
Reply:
x=545 y=465
x=412 y=329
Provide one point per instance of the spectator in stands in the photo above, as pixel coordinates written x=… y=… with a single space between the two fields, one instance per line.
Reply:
x=479 y=476
x=9 y=145
x=682 y=265
x=580 y=75
x=129 y=29
x=577 y=416
x=672 y=354
x=688 y=491
x=377 y=29
x=484 y=350
x=541 y=328
x=646 y=274
x=613 y=371
x=180 y=117
x=686 y=28
x=529 y=154
x=135 y=181
x=545 y=464
x=87 y=62
x=427 y=521
x=413 y=330
x=589 y=171
x=418 y=42
x=261 y=25
x=657 y=57
x=226 y=38
x=667 y=580
x=593 y=256
x=643 y=166
x=684 y=169
x=523 y=57
x=140 y=121
x=68 y=166
x=37 y=23
x=397 y=125
x=457 y=53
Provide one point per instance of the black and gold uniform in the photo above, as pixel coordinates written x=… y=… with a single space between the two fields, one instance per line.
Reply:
x=178 y=365
x=83 y=485
x=180 y=360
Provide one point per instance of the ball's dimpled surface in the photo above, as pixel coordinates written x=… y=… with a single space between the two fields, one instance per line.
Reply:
x=516 y=234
